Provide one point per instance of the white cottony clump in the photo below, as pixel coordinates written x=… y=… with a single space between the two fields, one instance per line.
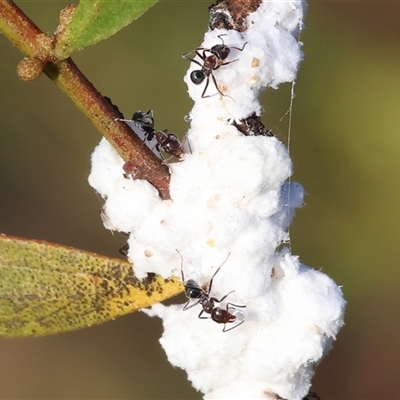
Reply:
x=286 y=331
x=230 y=208
x=270 y=56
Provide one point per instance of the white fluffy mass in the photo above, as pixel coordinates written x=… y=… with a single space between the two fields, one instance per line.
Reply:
x=231 y=206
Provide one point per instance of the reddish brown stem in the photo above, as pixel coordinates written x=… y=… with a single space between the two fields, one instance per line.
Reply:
x=232 y=14
x=65 y=74
x=18 y=28
x=103 y=116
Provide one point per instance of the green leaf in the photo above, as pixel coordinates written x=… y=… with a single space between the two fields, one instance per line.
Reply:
x=46 y=288
x=96 y=20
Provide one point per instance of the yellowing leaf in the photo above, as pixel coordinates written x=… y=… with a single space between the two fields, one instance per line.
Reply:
x=96 y=20
x=46 y=288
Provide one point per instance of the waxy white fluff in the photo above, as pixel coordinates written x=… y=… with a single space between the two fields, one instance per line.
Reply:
x=230 y=202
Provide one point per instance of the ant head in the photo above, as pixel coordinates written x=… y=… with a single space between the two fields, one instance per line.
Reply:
x=144 y=118
x=192 y=289
x=197 y=76
x=144 y=121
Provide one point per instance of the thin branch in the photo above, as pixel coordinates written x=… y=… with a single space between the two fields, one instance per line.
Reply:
x=35 y=44
x=232 y=14
x=103 y=116
x=18 y=28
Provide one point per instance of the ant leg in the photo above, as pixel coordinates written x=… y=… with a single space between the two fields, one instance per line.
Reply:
x=202 y=55
x=228 y=305
x=150 y=135
x=205 y=88
x=157 y=147
x=186 y=307
x=226 y=63
x=230 y=310
x=186 y=55
x=195 y=61
x=201 y=312
x=233 y=327
x=237 y=48
x=197 y=51
x=215 y=83
x=223 y=298
x=165 y=161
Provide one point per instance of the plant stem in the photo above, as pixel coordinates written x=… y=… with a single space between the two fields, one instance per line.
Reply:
x=103 y=115
x=232 y=14
x=18 y=28
x=23 y=33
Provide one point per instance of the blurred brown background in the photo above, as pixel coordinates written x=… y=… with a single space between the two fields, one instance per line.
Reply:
x=345 y=145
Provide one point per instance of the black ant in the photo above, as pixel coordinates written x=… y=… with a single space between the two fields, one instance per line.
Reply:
x=166 y=142
x=202 y=297
x=219 y=53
